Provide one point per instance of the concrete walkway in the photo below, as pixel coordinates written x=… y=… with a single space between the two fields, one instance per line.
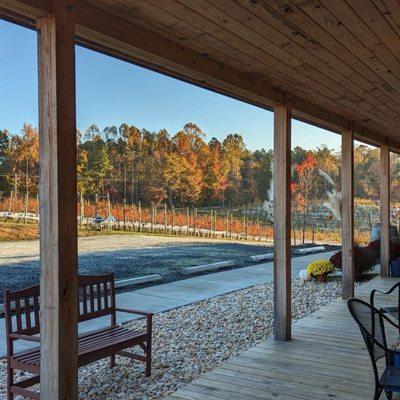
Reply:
x=180 y=293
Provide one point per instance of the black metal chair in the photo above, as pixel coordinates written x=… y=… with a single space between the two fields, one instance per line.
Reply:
x=371 y=322
x=394 y=311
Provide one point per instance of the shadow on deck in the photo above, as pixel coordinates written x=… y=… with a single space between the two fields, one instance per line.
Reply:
x=326 y=359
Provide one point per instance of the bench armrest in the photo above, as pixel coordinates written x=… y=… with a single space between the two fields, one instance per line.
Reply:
x=149 y=320
x=131 y=311
x=25 y=337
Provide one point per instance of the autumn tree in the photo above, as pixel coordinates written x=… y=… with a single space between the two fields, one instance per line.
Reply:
x=304 y=189
x=23 y=153
x=233 y=151
x=262 y=174
x=215 y=175
x=366 y=171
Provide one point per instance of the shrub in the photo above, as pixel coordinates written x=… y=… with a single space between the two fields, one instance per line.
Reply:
x=364 y=260
x=320 y=267
x=336 y=260
x=375 y=247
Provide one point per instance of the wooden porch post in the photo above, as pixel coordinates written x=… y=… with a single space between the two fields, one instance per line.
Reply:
x=282 y=259
x=385 y=209
x=58 y=203
x=347 y=214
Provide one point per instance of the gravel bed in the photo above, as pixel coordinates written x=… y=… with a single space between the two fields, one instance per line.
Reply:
x=194 y=339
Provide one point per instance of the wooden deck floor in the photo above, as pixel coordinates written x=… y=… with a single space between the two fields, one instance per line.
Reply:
x=326 y=360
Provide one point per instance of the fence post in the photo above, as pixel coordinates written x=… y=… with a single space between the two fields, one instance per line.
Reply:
x=173 y=219
x=152 y=213
x=211 y=223
x=195 y=222
x=124 y=210
x=26 y=204
x=187 y=221
x=165 y=218
x=294 y=230
x=11 y=201
x=140 y=217
x=215 y=224
x=109 y=211
x=81 y=212
x=313 y=231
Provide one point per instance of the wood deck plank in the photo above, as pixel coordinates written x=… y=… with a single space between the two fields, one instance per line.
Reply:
x=326 y=359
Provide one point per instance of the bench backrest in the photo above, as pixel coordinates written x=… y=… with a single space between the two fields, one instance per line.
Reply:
x=96 y=294
x=21 y=309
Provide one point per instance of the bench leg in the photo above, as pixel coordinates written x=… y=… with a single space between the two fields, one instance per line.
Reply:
x=148 y=359
x=112 y=361
x=10 y=382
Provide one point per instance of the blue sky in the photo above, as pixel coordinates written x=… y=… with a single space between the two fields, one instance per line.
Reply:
x=110 y=92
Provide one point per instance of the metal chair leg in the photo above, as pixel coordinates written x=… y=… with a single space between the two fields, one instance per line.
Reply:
x=378 y=392
x=389 y=394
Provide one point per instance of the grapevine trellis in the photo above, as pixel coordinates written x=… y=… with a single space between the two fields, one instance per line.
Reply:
x=253 y=223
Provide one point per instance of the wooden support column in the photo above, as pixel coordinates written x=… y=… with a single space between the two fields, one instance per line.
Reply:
x=282 y=222
x=348 y=214
x=385 y=210
x=58 y=203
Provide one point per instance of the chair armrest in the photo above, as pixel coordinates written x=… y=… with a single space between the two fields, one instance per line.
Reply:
x=25 y=337
x=390 y=321
x=131 y=311
x=391 y=290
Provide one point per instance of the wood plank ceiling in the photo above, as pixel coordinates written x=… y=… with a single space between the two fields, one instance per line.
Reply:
x=341 y=55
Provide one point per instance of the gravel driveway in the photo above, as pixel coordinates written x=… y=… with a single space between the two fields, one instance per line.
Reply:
x=126 y=255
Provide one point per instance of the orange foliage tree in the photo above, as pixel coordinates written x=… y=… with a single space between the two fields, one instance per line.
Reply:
x=305 y=188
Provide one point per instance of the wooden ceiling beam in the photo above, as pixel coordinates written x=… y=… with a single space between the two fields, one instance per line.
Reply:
x=107 y=33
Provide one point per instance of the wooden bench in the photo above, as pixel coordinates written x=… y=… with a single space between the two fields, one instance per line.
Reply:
x=96 y=295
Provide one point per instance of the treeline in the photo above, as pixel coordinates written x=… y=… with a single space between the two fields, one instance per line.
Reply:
x=135 y=165
x=183 y=169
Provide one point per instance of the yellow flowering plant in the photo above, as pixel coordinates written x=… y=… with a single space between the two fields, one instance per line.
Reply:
x=320 y=267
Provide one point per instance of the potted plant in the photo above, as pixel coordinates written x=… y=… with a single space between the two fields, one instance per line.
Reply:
x=320 y=269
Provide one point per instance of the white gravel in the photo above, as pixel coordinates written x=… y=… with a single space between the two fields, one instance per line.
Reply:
x=194 y=339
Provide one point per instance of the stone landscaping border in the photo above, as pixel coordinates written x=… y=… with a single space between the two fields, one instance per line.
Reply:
x=138 y=280
x=309 y=250
x=262 y=257
x=208 y=267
